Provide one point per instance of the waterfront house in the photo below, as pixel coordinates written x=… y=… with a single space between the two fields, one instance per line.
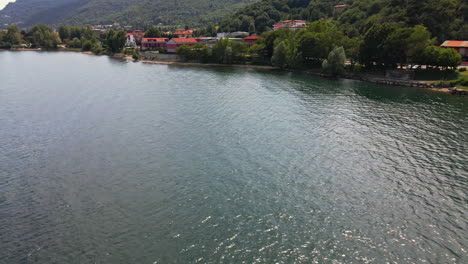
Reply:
x=130 y=40
x=154 y=43
x=174 y=43
x=251 y=40
x=461 y=46
x=290 y=24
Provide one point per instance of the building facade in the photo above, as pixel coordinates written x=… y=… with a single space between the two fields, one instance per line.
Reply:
x=154 y=43
x=461 y=46
x=174 y=43
x=290 y=24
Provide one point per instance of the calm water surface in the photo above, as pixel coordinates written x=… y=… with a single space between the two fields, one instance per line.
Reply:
x=103 y=161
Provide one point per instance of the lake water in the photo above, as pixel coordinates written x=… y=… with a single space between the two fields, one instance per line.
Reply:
x=105 y=161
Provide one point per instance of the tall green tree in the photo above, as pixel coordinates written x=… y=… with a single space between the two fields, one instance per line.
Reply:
x=64 y=32
x=335 y=63
x=44 y=37
x=153 y=32
x=115 y=40
x=13 y=35
x=279 y=58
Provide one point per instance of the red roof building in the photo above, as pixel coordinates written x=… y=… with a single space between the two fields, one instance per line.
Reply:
x=182 y=33
x=154 y=43
x=137 y=34
x=251 y=40
x=174 y=43
x=290 y=24
x=461 y=46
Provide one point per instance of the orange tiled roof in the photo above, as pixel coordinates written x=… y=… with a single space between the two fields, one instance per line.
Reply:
x=455 y=44
x=155 y=39
x=252 y=38
x=185 y=40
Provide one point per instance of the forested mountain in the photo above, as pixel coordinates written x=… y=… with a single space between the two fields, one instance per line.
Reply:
x=129 y=12
x=444 y=18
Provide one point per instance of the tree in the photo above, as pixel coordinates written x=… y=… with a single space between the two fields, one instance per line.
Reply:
x=115 y=40
x=449 y=58
x=372 y=49
x=336 y=62
x=43 y=36
x=64 y=32
x=75 y=43
x=87 y=33
x=417 y=42
x=153 y=32
x=13 y=35
x=279 y=56
x=97 y=48
x=441 y=57
x=227 y=51
x=87 y=45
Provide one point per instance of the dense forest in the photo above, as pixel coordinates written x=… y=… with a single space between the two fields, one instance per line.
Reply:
x=138 y=13
x=445 y=19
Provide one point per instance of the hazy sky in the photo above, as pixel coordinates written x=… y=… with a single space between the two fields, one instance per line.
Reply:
x=4 y=2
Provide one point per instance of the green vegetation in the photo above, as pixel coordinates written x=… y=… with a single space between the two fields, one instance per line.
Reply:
x=76 y=38
x=138 y=13
x=43 y=36
x=115 y=41
x=445 y=19
x=325 y=44
x=153 y=32
x=224 y=52
x=335 y=64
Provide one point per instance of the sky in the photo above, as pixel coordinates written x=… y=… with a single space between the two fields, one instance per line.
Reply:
x=3 y=3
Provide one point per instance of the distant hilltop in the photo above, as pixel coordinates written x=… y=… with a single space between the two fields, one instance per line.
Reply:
x=139 y=13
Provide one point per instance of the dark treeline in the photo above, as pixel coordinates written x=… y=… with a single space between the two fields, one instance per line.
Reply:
x=82 y=38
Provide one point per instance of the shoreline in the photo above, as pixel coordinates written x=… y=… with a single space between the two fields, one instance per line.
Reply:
x=382 y=81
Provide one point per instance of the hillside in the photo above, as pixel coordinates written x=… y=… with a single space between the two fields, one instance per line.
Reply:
x=444 y=18
x=129 y=12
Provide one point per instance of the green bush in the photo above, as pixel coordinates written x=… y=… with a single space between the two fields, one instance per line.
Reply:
x=462 y=70
x=87 y=45
x=135 y=55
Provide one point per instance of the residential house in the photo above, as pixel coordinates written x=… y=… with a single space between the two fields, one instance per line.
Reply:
x=174 y=43
x=461 y=46
x=154 y=43
x=138 y=35
x=130 y=40
x=290 y=24
x=251 y=40
x=184 y=33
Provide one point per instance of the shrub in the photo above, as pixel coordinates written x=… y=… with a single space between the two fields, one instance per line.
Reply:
x=87 y=45
x=135 y=55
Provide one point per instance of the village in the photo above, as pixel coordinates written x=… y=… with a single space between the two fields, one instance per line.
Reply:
x=136 y=39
